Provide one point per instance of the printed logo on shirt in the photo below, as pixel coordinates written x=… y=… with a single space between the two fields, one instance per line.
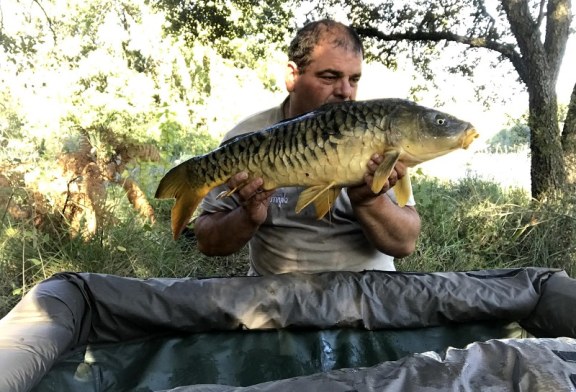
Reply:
x=279 y=199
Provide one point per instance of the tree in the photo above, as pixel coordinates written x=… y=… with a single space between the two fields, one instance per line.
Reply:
x=510 y=139
x=531 y=35
x=241 y=30
x=569 y=138
x=92 y=92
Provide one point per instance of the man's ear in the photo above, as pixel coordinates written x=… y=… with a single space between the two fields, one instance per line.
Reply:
x=291 y=75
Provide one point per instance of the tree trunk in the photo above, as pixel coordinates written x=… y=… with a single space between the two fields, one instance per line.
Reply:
x=547 y=171
x=541 y=64
x=569 y=142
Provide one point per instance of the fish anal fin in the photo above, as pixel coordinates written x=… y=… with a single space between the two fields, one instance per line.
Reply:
x=325 y=201
x=402 y=189
x=321 y=195
x=384 y=169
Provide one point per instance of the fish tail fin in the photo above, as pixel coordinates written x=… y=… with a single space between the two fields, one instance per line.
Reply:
x=187 y=192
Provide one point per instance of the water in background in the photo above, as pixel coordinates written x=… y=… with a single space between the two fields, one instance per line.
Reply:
x=510 y=169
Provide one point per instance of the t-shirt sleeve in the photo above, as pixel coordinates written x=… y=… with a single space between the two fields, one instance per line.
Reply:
x=410 y=202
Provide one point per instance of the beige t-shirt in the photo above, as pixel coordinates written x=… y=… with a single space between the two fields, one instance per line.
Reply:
x=288 y=242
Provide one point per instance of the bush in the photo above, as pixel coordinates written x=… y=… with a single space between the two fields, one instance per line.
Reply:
x=466 y=225
x=475 y=224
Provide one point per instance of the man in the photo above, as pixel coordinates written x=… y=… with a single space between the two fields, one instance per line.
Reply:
x=363 y=231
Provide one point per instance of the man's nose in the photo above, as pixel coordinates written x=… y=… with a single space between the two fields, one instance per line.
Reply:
x=344 y=89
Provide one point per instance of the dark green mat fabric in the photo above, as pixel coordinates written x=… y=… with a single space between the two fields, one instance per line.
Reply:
x=94 y=332
x=242 y=358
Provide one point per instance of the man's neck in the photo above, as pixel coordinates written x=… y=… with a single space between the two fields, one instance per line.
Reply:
x=286 y=108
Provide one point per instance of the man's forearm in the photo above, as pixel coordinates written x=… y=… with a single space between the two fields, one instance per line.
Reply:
x=223 y=233
x=392 y=229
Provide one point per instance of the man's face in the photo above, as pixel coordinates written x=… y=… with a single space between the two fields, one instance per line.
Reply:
x=332 y=76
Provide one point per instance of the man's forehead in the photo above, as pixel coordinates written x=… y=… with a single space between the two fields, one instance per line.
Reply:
x=336 y=41
x=330 y=57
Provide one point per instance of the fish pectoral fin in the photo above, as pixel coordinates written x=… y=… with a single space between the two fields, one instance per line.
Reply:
x=384 y=169
x=402 y=189
x=322 y=196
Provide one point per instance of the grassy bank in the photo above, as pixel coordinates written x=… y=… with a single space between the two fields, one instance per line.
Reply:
x=468 y=224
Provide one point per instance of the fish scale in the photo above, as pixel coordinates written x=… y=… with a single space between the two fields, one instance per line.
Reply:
x=322 y=151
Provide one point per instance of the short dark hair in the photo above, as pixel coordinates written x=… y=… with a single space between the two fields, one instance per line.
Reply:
x=301 y=47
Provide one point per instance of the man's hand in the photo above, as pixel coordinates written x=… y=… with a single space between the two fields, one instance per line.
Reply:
x=223 y=233
x=253 y=198
x=362 y=194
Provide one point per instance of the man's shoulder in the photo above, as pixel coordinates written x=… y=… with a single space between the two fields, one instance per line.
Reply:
x=257 y=121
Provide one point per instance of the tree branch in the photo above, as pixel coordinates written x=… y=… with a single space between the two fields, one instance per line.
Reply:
x=541 y=58
x=506 y=50
x=557 y=33
x=37 y=2
x=527 y=35
x=541 y=14
x=484 y=12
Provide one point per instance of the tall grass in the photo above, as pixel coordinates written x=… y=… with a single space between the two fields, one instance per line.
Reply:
x=467 y=224
x=127 y=245
x=476 y=224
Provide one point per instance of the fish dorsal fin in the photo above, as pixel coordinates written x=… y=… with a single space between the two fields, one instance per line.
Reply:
x=402 y=189
x=234 y=139
x=384 y=169
x=322 y=196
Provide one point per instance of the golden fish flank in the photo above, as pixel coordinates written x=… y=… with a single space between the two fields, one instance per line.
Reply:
x=324 y=151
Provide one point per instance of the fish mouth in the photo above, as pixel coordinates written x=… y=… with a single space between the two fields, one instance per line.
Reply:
x=469 y=137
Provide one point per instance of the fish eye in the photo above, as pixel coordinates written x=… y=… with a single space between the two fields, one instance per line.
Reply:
x=440 y=120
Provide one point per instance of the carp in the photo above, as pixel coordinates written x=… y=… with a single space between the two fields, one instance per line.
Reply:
x=323 y=150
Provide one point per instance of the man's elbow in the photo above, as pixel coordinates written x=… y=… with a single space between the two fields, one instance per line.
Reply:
x=400 y=250
x=204 y=249
x=203 y=245
x=407 y=245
